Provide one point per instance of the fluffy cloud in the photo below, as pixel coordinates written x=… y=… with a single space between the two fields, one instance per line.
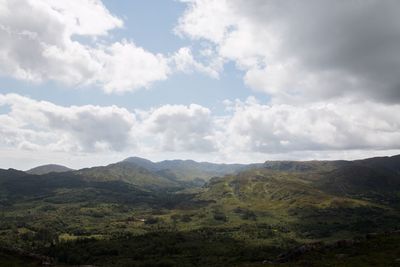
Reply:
x=337 y=126
x=181 y=128
x=183 y=61
x=34 y=124
x=128 y=67
x=329 y=67
x=248 y=128
x=302 y=51
x=40 y=43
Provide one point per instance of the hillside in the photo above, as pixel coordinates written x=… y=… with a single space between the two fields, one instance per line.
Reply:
x=376 y=250
x=137 y=212
x=66 y=187
x=130 y=173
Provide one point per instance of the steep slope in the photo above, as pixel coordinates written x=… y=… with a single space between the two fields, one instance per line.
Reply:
x=364 y=182
x=391 y=164
x=44 y=169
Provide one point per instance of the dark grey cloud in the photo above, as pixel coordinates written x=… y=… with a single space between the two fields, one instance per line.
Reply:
x=358 y=38
x=314 y=48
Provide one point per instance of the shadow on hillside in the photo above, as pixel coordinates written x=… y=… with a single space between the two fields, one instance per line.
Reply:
x=319 y=223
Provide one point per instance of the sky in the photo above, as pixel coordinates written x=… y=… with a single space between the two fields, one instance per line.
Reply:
x=91 y=82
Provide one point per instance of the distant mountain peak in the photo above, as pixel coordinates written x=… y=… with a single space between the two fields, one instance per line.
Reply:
x=48 y=168
x=134 y=159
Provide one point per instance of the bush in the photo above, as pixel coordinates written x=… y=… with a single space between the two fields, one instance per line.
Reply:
x=151 y=220
x=220 y=216
x=186 y=218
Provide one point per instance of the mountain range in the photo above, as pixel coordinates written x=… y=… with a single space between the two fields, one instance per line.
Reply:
x=174 y=207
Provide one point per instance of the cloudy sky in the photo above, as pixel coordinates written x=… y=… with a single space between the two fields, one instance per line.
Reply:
x=89 y=82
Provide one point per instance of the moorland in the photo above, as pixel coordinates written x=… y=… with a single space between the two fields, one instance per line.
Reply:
x=185 y=213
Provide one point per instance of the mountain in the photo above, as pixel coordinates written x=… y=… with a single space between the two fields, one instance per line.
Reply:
x=142 y=162
x=187 y=170
x=66 y=188
x=374 y=178
x=377 y=178
x=143 y=213
x=44 y=169
x=389 y=163
x=130 y=173
x=10 y=173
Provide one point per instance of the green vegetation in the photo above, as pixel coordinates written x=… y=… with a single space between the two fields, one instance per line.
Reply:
x=7 y=260
x=382 y=250
x=129 y=215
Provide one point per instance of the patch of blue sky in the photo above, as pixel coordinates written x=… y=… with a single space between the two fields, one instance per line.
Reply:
x=4 y=109
x=149 y=23
x=182 y=89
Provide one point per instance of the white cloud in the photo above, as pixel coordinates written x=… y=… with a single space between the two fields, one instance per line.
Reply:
x=89 y=17
x=34 y=124
x=181 y=128
x=250 y=131
x=337 y=126
x=128 y=67
x=198 y=22
x=184 y=61
x=39 y=43
x=329 y=69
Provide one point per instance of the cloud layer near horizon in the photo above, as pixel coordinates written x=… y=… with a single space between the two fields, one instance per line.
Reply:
x=249 y=127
